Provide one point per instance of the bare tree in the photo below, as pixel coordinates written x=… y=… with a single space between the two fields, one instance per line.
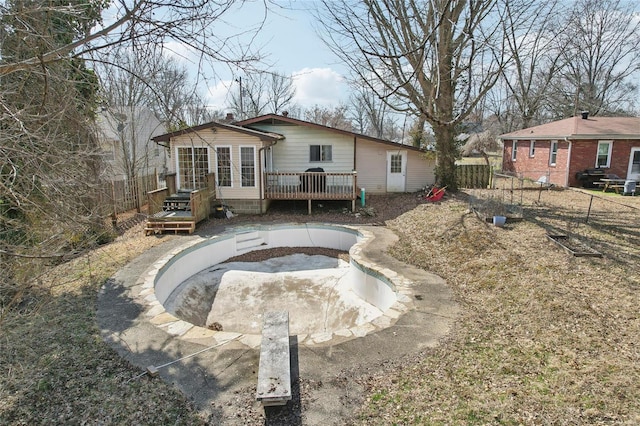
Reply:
x=536 y=62
x=331 y=117
x=371 y=116
x=281 y=93
x=261 y=93
x=435 y=59
x=599 y=48
x=50 y=160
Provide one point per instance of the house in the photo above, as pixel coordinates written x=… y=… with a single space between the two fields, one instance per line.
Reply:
x=132 y=162
x=562 y=150
x=125 y=135
x=273 y=157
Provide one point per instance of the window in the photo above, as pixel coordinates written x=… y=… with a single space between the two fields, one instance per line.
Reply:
x=396 y=163
x=553 y=153
x=635 y=162
x=193 y=166
x=248 y=165
x=320 y=153
x=223 y=156
x=603 y=159
x=514 y=150
x=532 y=149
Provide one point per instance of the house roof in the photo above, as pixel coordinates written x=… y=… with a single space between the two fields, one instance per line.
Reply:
x=266 y=136
x=282 y=119
x=582 y=128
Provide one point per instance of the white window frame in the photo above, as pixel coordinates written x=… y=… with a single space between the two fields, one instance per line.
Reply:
x=610 y=143
x=514 y=150
x=255 y=172
x=230 y=165
x=193 y=178
x=532 y=149
x=553 y=153
x=321 y=160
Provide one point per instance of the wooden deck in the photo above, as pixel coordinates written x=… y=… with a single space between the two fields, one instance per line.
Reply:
x=177 y=210
x=311 y=186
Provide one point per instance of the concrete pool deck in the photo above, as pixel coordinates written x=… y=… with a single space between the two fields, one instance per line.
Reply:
x=212 y=372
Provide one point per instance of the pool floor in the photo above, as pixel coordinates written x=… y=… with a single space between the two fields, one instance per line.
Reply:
x=314 y=289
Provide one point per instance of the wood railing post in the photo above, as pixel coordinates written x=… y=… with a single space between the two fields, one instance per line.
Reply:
x=171 y=183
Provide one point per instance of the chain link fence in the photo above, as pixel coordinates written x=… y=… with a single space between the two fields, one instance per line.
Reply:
x=562 y=208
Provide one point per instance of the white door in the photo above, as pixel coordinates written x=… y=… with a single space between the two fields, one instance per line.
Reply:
x=634 y=165
x=396 y=170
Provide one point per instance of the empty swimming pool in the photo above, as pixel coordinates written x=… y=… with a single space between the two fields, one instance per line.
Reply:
x=194 y=293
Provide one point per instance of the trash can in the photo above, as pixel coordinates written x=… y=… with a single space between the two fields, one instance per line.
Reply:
x=629 y=187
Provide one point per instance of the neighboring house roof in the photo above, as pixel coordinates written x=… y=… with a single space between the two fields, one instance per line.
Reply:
x=275 y=119
x=581 y=128
x=268 y=136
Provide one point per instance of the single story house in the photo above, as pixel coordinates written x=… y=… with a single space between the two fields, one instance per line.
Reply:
x=273 y=157
x=562 y=150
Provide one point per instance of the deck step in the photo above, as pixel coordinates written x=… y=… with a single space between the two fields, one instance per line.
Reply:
x=175 y=226
x=248 y=240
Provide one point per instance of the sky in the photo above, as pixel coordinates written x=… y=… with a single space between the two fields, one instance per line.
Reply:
x=292 y=46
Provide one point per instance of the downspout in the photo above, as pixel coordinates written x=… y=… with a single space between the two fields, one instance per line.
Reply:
x=566 y=177
x=355 y=177
x=354 y=154
x=261 y=172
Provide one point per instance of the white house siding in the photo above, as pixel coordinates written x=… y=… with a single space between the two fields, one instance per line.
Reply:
x=222 y=137
x=421 y=171
x=292 y=153
x=371 y=162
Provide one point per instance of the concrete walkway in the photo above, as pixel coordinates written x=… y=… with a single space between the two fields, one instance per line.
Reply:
x=216 y=377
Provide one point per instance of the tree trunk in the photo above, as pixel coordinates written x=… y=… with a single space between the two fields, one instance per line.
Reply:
x=447 y=154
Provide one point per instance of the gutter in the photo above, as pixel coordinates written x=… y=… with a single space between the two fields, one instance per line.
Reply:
x=261 y=171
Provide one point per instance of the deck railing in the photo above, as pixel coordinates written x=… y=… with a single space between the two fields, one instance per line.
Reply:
x=310 y=186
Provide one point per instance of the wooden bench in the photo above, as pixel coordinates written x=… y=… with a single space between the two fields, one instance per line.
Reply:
x=274 y=371
x=616 y=188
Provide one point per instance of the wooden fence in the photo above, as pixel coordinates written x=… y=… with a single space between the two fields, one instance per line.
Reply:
x=473 y=175
x=121 y=195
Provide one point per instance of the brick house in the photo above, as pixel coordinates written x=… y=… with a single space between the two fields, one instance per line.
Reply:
x=561 y=149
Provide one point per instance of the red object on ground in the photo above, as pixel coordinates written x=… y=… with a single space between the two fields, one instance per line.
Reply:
x=435 y=194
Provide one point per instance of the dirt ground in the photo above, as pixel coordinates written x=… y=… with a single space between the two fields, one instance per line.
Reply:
x=544 y=337
x=549 y=333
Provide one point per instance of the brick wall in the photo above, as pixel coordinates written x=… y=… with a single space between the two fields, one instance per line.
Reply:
x=247 y=206
x=537 y=165
x=583 y=156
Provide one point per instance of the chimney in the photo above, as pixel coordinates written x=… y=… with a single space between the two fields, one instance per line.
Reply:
x=585 y=115
x=285 y=113
x=229 y=117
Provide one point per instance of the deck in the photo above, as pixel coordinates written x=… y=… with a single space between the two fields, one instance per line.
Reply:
x=173 y=210
x=311 y=186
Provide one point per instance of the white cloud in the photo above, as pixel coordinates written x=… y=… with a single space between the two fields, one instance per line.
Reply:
x=319 y=86
x=218 y=95
x=314 y=86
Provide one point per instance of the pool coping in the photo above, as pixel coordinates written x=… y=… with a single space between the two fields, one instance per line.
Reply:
x=157 y=315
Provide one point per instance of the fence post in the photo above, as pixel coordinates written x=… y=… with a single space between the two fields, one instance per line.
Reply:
x=589 y=210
